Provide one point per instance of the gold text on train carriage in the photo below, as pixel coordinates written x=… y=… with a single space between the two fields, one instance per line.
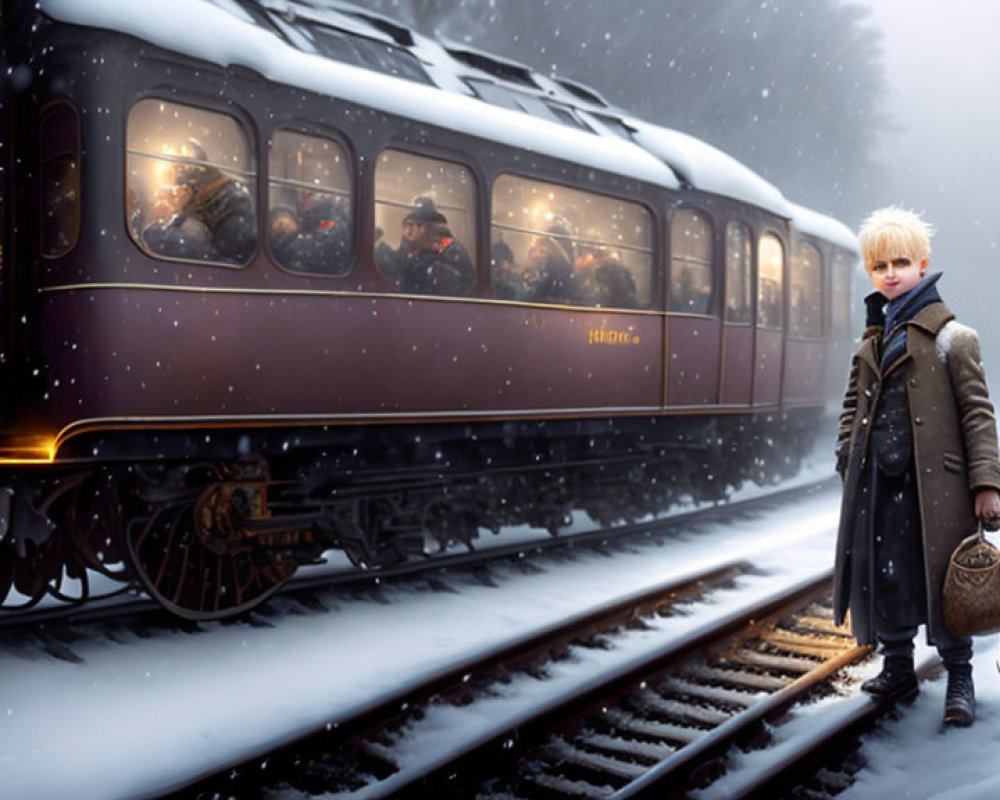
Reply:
x=605 y=336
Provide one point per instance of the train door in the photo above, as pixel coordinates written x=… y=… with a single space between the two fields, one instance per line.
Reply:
x=693 y=327
x=770 y=320
x=736 y=381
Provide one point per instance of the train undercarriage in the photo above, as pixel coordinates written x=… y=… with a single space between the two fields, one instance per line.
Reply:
x=213 y=536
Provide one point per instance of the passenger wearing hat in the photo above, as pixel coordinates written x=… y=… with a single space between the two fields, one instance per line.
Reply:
x=206 y=203
x=429 y=260
x=222 y=203
x=548 y=269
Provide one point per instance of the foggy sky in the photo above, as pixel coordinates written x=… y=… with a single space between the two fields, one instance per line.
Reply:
x=943 y=158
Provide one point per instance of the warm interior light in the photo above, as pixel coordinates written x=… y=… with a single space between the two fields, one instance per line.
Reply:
x=163 y=170
x=28 y=450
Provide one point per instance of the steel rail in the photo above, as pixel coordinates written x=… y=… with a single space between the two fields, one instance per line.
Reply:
x=831 y=739
x=662 y=780
x=486 y=665
x=443 y=774
x=432 y=778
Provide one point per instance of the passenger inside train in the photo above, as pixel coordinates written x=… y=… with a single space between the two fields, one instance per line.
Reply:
x=283 y=231
x=309 y=180
x=558 y=244
x=548 y=269
x=200 y=213
x=429 y=260
x=602 y=280
x=316 y=239
x=504 y=274
x=171 y=232
x=432 y=202
x=546 y=274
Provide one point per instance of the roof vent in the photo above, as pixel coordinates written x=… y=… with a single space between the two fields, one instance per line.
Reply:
x=505 y=70
x=581 y=91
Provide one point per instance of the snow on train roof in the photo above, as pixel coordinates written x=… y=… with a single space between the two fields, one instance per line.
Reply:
x=822 y=226
x=207 y=31
x=221 y=32
x=707 y=167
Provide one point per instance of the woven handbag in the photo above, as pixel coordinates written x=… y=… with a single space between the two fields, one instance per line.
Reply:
x=971 y=594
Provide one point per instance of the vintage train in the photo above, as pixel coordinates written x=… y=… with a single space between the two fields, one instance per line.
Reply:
x=218 y=363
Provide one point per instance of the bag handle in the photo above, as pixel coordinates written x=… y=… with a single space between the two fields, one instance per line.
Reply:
x=973 y=540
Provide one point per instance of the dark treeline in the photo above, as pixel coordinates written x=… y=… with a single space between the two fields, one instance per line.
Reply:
x=793 y=88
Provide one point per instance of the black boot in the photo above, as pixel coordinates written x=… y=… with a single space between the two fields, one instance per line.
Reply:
x=896 y=681
x=960 y=699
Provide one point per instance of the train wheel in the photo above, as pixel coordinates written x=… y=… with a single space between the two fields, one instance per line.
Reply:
x=195 y=559
x=74 y=528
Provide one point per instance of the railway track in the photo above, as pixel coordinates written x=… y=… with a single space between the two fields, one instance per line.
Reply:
x=132 y=602
x=655 y=724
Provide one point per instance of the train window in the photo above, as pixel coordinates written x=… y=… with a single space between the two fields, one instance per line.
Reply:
x=739 y=274
x=770 y=272
x=430 y=205
x=191 y=184
x=692 y=279
x=309 y=196
x=805 y=312
x=60 y=171
x=554 y=244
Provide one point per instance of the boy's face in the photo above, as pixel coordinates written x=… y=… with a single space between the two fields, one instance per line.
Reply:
x=895 y=277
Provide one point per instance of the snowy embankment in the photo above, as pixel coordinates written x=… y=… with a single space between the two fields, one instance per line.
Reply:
x=142 y=715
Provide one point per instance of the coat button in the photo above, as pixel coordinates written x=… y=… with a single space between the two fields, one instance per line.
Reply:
x=918 y=420
x=913 y=381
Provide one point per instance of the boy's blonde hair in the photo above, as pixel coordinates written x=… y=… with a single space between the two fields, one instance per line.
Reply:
x=894 y=232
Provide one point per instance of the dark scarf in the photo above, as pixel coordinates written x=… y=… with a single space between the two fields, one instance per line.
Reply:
x=900 y=311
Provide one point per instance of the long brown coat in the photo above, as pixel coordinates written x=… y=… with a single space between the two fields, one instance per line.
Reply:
x=954 y=452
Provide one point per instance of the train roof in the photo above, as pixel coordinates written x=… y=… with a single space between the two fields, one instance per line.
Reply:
x=708 y=168
x=205 y=30
x=325 y=46
x=824 y=227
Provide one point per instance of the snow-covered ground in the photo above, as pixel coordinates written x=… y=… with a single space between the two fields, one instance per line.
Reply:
x=142 y=715
x=910 y=757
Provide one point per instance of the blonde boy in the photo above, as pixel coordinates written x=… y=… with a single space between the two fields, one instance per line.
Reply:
x=917 y=449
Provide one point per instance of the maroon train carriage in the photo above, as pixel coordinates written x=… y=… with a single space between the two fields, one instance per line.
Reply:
x=282 y=281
